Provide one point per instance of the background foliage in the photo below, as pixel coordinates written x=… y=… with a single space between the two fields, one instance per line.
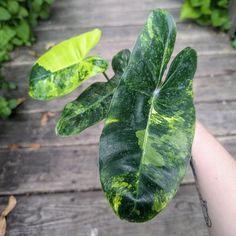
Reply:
x=208 y=13
x=17 y=20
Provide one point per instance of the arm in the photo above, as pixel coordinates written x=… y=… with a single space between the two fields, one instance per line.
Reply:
x=215 y=173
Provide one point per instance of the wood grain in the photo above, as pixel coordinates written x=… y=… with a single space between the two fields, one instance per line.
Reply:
x=204 y=40
x=111 y=13
x=232 y=12
x=66 y=169
x=218 y=117
x=215 y=88
x=58 y=169
x=81 y=214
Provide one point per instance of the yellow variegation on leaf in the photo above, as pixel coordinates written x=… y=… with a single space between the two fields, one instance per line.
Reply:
x=65 y=66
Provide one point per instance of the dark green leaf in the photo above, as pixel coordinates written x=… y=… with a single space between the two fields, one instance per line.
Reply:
x=145 y=146
x=4 y=14
x=22 y=12
x=44 y=14
x=4 y=55
x=6 y=34
x=37 y=5
x=5 y=112
x=93 y=104
x=17 y=41
x=23 y=31
x=120 y=61
x=7 y=85
x=65 y=66
x=223 y=3
x=206 y=7
x=50 y=1
x=12 y=103
x=13 y=6
x=189 y=12
x=3 y=102
x=234 y=43
x=220 y=18
x=204 y=20
x=197 y=3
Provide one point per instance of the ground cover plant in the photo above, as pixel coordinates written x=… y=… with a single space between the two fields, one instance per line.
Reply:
x=17 y=20
x=209 y=13
x=145 y=145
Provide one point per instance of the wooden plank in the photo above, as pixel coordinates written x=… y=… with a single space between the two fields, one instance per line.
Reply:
x=207 y=89
x=26 y=128
x=112 y=13
x=118 y=3
x=219 y=118
x=232 y=13
x=88 y=213
x=49 y=170
x=204 y=40
x=219 y=88
x=57 y=169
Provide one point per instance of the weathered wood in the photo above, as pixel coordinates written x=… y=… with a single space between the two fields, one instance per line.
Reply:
x=215 y=88
x=64 y=165
x=112 y=13
x=49 y=170
x=232 y=13
x=88 y=213
x=207 y=89
x=26 y=128
x=205 y=41
x=219 y=52
x=58 y=169
x=118 y=4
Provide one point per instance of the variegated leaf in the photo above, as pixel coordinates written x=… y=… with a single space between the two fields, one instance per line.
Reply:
x=92 y=105
x=65 y=66
x=145 y=146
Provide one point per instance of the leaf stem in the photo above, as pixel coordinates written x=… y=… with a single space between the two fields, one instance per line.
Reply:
x=105 y=75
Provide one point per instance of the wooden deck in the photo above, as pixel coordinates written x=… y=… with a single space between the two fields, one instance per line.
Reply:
x=57 y=185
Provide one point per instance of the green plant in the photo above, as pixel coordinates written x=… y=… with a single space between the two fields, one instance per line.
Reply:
x=208 y=13
x=145 y=146
x=17 y=20
x=6 y=106
x=234 y=43
x=214 y=13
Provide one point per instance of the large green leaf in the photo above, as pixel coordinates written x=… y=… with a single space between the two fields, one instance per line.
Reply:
x=65 y=66
x=145 y=145
x=92 y=105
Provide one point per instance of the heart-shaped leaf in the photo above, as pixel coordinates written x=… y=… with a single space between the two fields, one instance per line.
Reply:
x=65 y=66
x=92 y=105
x=145 y=145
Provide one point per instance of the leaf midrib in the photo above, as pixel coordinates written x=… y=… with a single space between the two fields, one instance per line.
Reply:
x=158 y=86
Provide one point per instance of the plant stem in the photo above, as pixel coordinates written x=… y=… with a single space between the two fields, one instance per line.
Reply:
x=105 y=75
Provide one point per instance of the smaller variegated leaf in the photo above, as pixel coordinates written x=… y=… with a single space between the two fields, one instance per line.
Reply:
x=92 y=105
x=65 y=66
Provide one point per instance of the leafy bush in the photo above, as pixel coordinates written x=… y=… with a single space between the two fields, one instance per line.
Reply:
x=208 y=13
x=6 y=106
x=17 y=20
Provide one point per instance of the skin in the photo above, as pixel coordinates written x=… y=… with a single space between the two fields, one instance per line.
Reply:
x=215 y=173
